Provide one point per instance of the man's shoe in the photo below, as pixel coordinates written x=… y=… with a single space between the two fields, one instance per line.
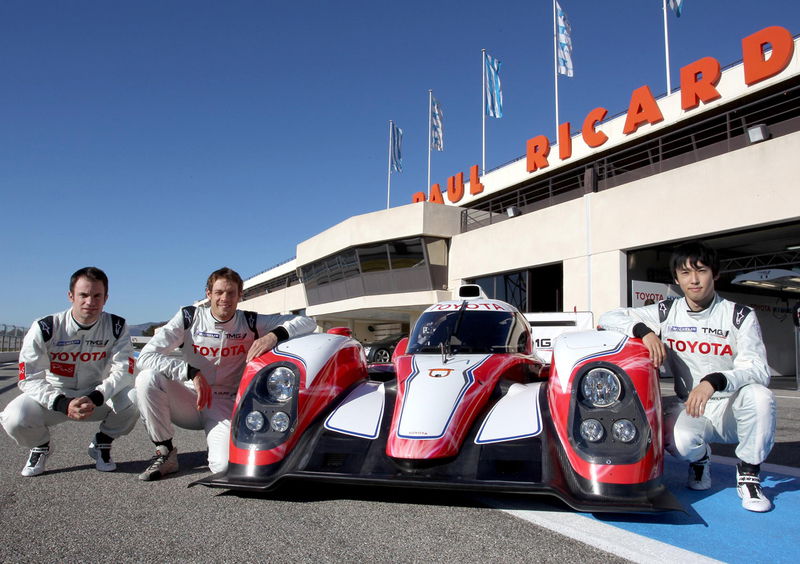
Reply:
x=164 y=462
x=36 y=461
x=101 y=452
x=700 y=473
x=748 y=485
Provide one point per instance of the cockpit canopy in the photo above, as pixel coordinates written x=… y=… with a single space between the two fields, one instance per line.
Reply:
x=463 y=328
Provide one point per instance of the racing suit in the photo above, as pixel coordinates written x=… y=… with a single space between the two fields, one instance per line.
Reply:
x=721 y=344
x=61 y=360
x=218 y=350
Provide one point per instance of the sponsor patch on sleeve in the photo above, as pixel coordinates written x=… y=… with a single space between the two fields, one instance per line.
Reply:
x=130 y=365
x=62 y=369
x=21 y=370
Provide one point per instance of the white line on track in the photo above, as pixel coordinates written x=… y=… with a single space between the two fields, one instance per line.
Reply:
x=608 y=538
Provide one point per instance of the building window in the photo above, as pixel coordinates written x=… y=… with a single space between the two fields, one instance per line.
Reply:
x=380 y=268
x=531 y=290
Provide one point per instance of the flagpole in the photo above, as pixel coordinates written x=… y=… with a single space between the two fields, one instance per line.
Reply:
x=483 y=108
x=666 y=45
x=430 y=110
x=555 y=61
x=389 y=172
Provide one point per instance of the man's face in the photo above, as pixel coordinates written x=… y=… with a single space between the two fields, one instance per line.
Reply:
x=697 y=284
x=223 y=297
x=88 y=298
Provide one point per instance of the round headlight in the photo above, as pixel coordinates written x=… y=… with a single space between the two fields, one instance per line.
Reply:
x=280 y=384
x=623 y=430
x=280 y=422
x=601 y=387
x=591 y=430
x=254 y=421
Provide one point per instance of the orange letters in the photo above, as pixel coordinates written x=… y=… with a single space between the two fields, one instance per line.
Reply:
x=564 y=141
x=455 y=187
x=475 y=186
x=642 y=109
x=538 y=149
x=756 y=67
x=698 y=82
x=591 y=136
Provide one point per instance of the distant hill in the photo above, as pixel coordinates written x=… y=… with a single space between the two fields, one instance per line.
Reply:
x=136 y=330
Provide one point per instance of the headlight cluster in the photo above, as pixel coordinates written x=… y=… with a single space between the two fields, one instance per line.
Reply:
x=280 y=384
x=256 y=421
x=271 y=402
x=622 y=430
x=601 y=389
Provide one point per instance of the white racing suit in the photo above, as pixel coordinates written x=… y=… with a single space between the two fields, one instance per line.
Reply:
x=60 y=360
x=725 y=339
x=218 y=350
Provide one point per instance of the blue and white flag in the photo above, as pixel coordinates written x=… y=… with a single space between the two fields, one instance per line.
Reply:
x=564 y=39
x=437 y=127
x=395 y=140
x=494 y=92
x=677 y=6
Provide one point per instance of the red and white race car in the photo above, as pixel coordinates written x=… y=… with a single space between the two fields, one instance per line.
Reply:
x=465 y=405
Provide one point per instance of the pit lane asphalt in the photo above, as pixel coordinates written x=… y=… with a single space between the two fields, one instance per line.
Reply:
x=73 y=513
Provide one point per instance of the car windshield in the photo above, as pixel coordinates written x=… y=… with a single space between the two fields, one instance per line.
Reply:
x=467 y=331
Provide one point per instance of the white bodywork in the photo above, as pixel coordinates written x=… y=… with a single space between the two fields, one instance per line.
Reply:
x=361 y=412
x=433 y=383
x=570 y=349
x=313 y=351
x=515 y=416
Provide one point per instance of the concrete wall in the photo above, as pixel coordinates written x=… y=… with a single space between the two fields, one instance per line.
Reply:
x=9 y=356
x=285 y=300
x=754 y=186
x=410 y=220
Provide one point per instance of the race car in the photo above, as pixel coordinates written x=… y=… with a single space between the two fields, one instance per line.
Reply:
x=466 y=404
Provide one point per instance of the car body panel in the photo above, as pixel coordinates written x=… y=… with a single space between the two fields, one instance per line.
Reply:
x=465 y=405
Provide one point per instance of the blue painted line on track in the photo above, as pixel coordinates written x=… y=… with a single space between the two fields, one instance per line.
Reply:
x=716 y=525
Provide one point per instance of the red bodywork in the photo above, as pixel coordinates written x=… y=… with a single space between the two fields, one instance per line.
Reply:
x=511 y=367
x=346 y=367
x=634 y=359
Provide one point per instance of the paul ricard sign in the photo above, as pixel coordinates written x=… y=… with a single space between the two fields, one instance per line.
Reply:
x=767 y=57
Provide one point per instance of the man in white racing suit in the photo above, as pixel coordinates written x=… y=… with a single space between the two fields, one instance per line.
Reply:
x=197 y=389
x=716 y=355
x=74 y=365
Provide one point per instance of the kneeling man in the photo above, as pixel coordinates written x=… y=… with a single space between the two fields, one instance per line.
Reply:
x=715 y=353
x=190 y=370
x=76 y=365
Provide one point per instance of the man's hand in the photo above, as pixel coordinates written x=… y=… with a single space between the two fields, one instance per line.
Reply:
x=656 y=348
x=203 y=390
x=80 y=408
x=698 y=398
x=262 y=345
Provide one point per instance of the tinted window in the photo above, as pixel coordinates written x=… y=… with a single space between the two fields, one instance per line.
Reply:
x=373 y=258
x=466 y=331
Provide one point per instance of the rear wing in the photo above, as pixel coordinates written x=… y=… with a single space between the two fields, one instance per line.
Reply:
x=545 y=327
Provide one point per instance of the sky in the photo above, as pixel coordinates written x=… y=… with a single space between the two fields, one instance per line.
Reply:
x=161 y=140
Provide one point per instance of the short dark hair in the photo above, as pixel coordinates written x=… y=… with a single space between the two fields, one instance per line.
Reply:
x=92 y=273
x=692 y=253
x=225 y=273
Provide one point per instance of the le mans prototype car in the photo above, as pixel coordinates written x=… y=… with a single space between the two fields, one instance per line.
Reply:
x=465 y=405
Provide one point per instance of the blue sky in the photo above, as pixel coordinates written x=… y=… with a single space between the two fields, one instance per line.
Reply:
x=160 y=140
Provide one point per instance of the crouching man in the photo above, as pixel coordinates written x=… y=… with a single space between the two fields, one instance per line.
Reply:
x=76 y=365
x=195 y=386
x=715 y=353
